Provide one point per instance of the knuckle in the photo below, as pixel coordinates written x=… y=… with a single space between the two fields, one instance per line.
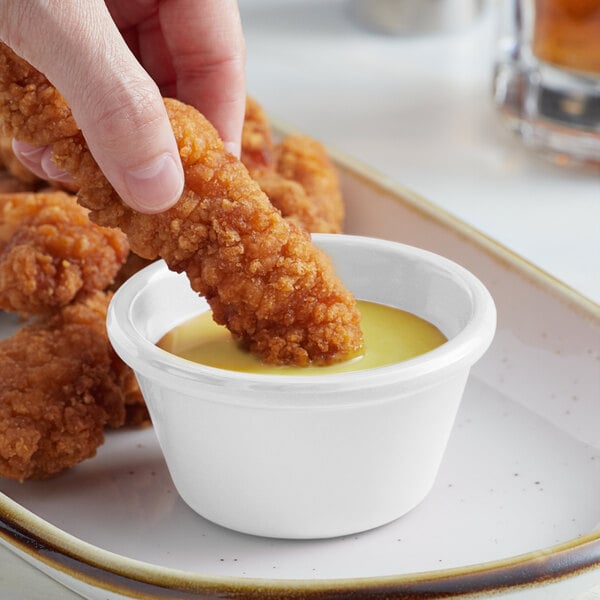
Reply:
x=125 y=109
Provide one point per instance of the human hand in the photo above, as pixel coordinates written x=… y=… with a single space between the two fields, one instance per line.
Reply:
x=113 y=61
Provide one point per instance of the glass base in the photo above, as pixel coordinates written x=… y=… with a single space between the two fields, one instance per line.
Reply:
x=556 y=112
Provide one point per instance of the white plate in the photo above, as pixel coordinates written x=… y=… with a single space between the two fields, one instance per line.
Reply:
x=515 y=510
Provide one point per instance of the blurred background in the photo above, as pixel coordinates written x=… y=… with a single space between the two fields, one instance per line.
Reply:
x=413 y=100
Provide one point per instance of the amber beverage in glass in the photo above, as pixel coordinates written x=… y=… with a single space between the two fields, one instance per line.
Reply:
x=547 y=76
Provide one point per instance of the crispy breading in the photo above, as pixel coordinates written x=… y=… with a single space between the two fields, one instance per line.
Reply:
x=296 y=174
x=305 y=160
x=304 y=185
x=264 y=279
x=50 y=252
x=132 y=265
x=61 y=386
x=258 y=150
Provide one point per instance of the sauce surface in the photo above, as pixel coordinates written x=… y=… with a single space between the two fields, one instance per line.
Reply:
x=391 y=335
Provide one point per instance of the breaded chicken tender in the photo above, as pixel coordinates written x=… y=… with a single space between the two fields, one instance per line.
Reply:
x=132 y=265
x=303 y=159
x=263 y=278
x=50 y=252
x=296 y=174
x=304 y=185
x=258 y=148
x=61 y=386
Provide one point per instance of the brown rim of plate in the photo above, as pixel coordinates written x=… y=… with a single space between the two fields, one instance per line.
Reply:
x=37 y=540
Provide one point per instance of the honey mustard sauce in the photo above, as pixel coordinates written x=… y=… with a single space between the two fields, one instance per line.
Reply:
x=391 y=335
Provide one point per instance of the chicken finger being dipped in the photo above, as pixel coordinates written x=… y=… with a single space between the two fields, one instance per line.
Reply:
x=264 y=280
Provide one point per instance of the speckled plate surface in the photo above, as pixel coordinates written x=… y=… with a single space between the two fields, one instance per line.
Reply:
x=515 y=511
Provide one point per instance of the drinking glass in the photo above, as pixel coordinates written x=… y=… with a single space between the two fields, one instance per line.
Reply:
x=547 y=76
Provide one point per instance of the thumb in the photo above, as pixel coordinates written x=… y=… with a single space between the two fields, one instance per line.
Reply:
x=129 y=135
x=115 y=103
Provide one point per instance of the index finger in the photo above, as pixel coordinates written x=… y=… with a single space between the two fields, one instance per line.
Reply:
x=206 y=43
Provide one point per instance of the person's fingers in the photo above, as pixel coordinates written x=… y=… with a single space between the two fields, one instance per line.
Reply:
x=154 y=54
x=207 y=48
x=38 y=160
x=194 y=50
x=31 y=157
x=114 y=101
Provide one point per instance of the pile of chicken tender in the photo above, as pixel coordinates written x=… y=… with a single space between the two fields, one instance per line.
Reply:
x=240 y=232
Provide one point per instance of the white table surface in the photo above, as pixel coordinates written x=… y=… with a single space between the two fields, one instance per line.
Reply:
x=418 y=109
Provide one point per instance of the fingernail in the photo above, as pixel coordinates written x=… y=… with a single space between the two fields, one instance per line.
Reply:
x=51 y=170
x=233 y=148
x=30 y=157
x=155 y=186
x=30 y=152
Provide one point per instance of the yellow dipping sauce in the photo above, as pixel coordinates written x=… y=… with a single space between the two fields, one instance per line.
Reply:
x=391 y=335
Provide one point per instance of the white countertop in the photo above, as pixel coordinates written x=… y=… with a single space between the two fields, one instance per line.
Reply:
x=417 y=109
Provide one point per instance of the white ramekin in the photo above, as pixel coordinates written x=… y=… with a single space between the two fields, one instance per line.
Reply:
x=309 y=456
